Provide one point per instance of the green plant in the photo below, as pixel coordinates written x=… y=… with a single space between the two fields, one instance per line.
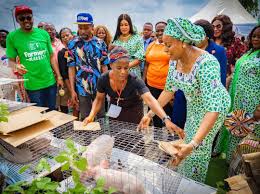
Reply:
x=3 y=112
x=222 y=187
x=70 y=160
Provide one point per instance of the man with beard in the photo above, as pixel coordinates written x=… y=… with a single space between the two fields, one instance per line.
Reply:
x=87 y=60
x=33 y=47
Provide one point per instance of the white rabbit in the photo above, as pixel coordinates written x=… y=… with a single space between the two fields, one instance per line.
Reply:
x=100 y=149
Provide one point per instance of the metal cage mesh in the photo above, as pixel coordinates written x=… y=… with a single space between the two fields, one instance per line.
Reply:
x=133 y=152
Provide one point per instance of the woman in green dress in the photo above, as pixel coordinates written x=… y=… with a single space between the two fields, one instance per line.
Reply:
x=126 y=37
x=197 y=74
x=244 y=91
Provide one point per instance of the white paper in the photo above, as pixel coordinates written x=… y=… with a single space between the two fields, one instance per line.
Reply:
x=114 y=111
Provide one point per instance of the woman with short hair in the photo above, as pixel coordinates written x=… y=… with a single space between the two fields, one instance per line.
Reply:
x=156 y=69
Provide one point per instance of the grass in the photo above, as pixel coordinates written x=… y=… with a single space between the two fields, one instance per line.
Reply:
x=217 y=171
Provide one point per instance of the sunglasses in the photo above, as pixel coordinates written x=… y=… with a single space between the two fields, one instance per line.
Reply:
x=218 y=26
x=23 y=18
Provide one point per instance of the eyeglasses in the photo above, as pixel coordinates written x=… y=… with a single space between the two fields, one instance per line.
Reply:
x=23 y=18
x=218 y=26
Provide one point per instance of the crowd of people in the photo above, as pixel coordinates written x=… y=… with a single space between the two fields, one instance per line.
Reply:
x=191 y=76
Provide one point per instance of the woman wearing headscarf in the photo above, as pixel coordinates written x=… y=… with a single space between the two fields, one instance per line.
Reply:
x=197 y=74
x=126 y=92
x=245 y=94
x=128 y=38
x=179 y=112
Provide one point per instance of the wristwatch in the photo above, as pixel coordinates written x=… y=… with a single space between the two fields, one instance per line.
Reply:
x=165 y=118
x=194 y=144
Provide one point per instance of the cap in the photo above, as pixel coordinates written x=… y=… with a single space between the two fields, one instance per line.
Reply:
x=84 y=18
x=22 y=9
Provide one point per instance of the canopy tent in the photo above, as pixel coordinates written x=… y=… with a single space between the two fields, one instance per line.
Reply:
x=232 y=8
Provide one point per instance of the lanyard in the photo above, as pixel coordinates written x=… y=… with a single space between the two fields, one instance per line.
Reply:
x=119 y=93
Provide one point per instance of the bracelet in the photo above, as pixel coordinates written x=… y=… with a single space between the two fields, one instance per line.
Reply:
x=194 y=144
x=60 y=78
x=165 y=118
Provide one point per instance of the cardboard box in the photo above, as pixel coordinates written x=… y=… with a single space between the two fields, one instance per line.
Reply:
x=20 y=121
x=238 y=185
x=52 y=120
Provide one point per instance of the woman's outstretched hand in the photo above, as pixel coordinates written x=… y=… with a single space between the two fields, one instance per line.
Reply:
x=172 y=128
x=88 y=120
x=183 y=151
x=144 y=123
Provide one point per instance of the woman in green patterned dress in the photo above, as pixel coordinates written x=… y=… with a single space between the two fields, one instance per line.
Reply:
x=197 y=74
x=245 y=90
x=126 y=37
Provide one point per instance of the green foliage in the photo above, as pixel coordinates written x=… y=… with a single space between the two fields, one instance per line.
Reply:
x=251 y=6
x=70 y=159
x=222 y=187
x=3 y=112
x=23 y=169
x=43 y=165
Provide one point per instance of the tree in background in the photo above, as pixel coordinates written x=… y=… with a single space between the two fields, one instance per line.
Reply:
x=251 y=6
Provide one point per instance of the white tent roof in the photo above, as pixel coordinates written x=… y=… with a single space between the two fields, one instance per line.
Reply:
x=231 y=8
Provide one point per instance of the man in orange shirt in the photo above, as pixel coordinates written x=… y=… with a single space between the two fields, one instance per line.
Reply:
x=156 y=69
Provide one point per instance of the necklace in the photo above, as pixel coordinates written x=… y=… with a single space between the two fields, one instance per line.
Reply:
x=124 y=38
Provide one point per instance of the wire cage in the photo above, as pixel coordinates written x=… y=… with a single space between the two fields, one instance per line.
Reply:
x=14 y=105
x=134 y=155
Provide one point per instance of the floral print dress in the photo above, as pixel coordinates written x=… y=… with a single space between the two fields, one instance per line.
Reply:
x=204 y=93
x=135 y=48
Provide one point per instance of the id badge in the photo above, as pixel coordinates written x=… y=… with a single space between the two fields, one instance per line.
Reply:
x=114 y=111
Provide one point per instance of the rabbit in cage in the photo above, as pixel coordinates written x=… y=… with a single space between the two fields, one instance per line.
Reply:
x=100 y=149
x=122 y=181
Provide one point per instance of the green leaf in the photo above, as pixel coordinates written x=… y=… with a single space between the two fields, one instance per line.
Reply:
x=75 y=176
x=23 y=169
x=43 y=165
x=13 y=188
x=42 y=182
x=70 y=144
x=98 y=190
x=101 y=182
x=220 y=184
x=83 y=149
x=52 y=186
x=65 y=167
x=62 y=158
x=81 y=164
x=111 y=190
x=79 y=188
x=3 y=113
x=4 y=119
